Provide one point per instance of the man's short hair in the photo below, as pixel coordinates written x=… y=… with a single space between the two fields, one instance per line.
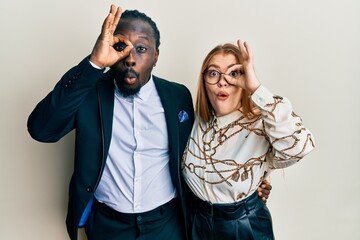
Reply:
x=135 y=14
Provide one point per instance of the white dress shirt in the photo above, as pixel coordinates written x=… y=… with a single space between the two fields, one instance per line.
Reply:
x=228 y=157
x=137 y=177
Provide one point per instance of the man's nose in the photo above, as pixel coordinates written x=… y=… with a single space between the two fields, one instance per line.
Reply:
x=130 y=60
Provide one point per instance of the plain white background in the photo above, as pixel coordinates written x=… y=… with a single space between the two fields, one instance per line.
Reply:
x=305 y=50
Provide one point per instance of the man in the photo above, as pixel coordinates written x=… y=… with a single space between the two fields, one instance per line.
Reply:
x=131 y=130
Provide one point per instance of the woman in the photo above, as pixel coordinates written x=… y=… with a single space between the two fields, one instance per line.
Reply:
x=242 y=132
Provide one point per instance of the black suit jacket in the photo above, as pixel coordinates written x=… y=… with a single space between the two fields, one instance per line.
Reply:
x=84 y=100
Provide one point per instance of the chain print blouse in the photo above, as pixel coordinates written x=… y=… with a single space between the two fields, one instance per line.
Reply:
x=228 y=157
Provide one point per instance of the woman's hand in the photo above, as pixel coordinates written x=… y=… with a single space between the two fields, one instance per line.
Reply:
x=246 y=78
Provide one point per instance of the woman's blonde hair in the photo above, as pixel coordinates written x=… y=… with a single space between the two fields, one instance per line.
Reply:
x=203 y=105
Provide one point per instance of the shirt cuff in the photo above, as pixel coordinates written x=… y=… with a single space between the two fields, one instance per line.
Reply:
x=262 y=96
x=94 y=65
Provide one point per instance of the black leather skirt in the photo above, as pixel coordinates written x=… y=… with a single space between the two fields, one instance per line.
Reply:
x=245 y=220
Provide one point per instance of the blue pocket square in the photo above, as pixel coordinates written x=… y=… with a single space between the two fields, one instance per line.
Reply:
x=183 y=116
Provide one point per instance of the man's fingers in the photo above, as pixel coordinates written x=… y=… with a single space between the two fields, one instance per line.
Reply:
x=262 y=196
x=122 y=54
x=108 y=22
x=266 y=185
x=121 y=39
x=116 y=20
x=264 y=190
x=125 y=45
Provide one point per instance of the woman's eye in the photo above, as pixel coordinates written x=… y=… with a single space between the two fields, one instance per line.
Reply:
x=234 y=74
x=213 y=73
x=119 y=46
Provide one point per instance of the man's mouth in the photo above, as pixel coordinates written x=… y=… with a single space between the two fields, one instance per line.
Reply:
x=129 y=80
x=130 y=77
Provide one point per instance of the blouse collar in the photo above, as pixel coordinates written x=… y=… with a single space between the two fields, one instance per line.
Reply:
x=225 y=120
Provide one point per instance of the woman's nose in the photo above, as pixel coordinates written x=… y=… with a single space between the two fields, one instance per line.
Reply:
x=222 y=81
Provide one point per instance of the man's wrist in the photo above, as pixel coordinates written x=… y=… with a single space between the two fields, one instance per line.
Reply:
x=95 y=65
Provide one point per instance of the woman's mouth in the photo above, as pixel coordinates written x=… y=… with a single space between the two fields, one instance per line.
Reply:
x=222 y=95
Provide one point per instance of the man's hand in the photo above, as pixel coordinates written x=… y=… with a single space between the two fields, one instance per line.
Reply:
x=104 y=55
x=264 y=190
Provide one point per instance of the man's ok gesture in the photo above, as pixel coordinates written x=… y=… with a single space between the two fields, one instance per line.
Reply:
x=104 y=55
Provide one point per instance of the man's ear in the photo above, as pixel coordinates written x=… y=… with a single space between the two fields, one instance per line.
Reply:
x=156 y=56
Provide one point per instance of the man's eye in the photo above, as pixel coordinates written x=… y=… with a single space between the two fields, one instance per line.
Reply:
x=141 y=49
x=119 y=46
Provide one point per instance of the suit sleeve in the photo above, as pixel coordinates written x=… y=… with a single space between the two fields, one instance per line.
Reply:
x=54 y=116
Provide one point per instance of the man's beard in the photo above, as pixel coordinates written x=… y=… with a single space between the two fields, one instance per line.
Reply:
x=125 y=89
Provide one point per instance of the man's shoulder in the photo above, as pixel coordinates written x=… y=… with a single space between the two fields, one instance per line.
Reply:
x=106 y=78
x=169 y=84
x=172 y=90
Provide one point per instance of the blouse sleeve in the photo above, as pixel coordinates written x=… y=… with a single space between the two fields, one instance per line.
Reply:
x=289 y=139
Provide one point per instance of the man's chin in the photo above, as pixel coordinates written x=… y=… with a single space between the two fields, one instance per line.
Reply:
x=127 y=90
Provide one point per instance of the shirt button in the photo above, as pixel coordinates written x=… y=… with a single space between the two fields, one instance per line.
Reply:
x=89 y=189
x=139 y=218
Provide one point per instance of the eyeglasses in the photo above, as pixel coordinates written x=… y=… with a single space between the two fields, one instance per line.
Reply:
x=212 y=77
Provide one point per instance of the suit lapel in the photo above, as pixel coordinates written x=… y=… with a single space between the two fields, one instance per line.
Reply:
x=171 y=121
x=106 y=110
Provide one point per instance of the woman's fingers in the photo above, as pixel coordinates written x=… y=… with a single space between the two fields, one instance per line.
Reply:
x=249 y=51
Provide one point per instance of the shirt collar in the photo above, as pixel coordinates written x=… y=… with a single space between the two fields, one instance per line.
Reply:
x=146 y=90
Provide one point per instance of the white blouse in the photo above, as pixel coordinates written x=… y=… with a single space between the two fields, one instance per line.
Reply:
x=228 y=157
